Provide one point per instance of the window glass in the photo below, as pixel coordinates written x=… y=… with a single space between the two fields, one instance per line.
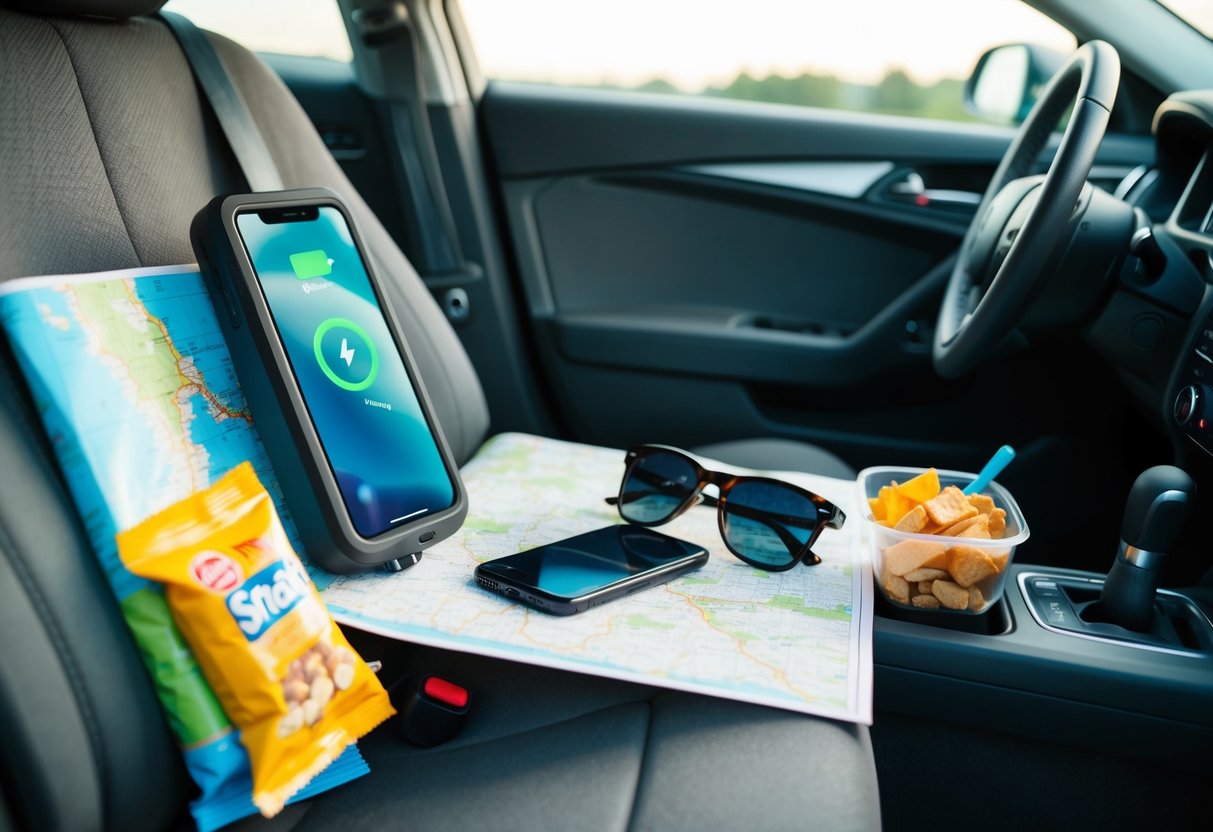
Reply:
x=884 y=56
x=288 y=27
x=1196 y=13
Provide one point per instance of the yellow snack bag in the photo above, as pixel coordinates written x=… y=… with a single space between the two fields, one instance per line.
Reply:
x=279 y=664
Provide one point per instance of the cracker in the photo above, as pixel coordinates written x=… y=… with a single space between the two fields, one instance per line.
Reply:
x=951 y=595
x=977 y=601
x=909 y=555
x=924 y=573
x=949 y=507
x=969 y=527
x=895 y=586
x=969 y=565
x=998 y=522
x=978 y=531
x=984 y=503
x=926 y=602
x=939 y=561
x=924 y=587
x=914 y=520
x=999 y=559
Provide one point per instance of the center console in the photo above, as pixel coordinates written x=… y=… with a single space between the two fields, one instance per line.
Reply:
x=1039 y=664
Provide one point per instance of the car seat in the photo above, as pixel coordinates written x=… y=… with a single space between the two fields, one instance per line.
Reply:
x=106 y=152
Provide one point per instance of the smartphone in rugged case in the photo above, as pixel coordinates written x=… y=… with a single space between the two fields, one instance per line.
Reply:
x=335 y=394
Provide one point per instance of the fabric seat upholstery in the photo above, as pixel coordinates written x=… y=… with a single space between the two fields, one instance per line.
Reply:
x=106 y=151
x=546 y=749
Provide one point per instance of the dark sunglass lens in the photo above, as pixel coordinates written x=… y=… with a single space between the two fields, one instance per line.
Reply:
x=655 y=486
x=768 y=523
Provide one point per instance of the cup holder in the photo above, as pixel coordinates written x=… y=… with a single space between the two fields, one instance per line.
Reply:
x=995 y=621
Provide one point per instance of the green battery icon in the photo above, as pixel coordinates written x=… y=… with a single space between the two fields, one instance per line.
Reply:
x=309 y=264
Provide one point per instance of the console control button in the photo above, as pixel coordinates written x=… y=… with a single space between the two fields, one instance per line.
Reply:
x=1188 y=404
x=1057 y=612
x=1045 y=589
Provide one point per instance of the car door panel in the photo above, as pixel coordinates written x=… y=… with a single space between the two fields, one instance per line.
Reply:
x=774 y=262
x=540 y=129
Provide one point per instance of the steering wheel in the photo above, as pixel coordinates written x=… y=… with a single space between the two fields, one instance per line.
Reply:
x=1022 y=222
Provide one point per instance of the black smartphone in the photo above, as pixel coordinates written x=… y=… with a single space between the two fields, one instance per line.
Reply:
x=336 y=399
x=590 y=569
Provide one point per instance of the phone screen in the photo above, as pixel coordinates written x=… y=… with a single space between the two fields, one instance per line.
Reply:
x=580 y=565
x=358 y=393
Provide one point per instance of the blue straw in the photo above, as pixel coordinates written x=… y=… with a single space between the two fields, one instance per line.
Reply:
x=1001 y=459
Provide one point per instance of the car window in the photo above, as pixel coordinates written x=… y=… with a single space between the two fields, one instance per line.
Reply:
x=1196 y=13
x=805 y=52
x=287 y=27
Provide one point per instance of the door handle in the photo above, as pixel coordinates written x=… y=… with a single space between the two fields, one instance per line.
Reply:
x=912 y=189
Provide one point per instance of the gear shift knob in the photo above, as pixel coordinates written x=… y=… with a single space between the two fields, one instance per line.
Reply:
x=1154 y=517
x=1156 y=509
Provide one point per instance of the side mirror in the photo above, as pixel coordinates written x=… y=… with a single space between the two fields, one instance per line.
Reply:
x=1007 y=79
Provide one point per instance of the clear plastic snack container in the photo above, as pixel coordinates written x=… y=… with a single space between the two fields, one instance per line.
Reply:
x=971 y=572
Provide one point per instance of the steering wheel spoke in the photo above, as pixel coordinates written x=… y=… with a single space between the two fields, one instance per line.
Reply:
x=1016 y=235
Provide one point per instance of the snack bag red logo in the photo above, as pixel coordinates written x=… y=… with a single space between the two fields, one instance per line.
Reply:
x=216 y=572
x=300 y=696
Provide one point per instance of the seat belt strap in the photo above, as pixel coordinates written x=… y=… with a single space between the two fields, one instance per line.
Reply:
x=439 y=251
x=245 y=139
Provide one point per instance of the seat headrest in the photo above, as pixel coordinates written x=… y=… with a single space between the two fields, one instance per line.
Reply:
x=86 y=8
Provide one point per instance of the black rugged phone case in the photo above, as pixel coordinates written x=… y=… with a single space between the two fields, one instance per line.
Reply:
x=279 y=411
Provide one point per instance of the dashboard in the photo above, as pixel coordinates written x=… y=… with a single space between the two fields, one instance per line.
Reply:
x=1184 y=130
x=1157 y=326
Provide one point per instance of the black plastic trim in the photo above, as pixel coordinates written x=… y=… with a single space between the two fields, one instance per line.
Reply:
x=1034 y=662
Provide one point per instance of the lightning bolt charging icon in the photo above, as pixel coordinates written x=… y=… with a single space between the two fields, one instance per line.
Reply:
x=325 y=350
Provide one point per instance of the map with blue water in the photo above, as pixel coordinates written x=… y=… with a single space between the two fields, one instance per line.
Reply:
x=135 y=385
x=131 y=377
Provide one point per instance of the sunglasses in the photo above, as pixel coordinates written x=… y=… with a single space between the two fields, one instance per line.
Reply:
x=765 y=522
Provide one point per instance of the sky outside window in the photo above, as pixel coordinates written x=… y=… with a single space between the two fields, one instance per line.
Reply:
x=695 y=44
x=886 y=56
x=1197 y=13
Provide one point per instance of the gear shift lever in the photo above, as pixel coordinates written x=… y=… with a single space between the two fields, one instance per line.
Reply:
x=1154 y=516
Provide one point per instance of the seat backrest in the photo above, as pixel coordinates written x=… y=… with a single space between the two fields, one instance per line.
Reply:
x=106 y=152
